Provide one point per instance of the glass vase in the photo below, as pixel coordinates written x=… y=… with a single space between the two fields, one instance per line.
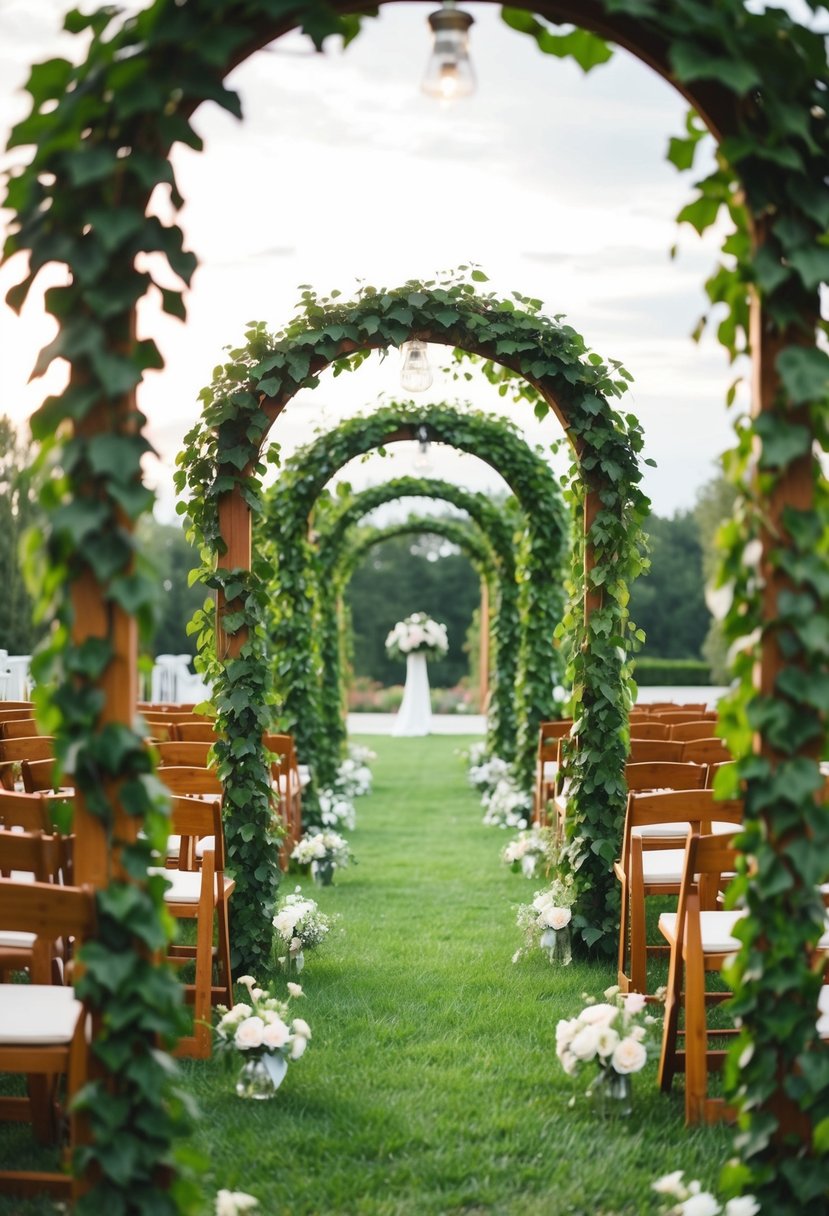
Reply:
x=612 y=1094
x=558 y=945
x=322 y=872
x=261 y=1076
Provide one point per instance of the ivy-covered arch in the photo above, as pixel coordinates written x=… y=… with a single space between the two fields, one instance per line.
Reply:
x=102 y=131
x=290 y=503
x=334 y=526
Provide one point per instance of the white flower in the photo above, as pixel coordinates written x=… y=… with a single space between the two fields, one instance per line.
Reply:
x=599 y=1014
x=743 y=1205
x=300 y=1026
x=634 y=1002
x=232 y=1203
x=629 y=1056
x=275 y=1034
x=249 y=982
x=295 y=989
x=569 y=1063
x=608 y=1041
x=565 y=1029
x=670 y=1184
x=557 y=918
x=249 y=1033
x=703 y=1204
x=298 y=1046
x=585 y=1044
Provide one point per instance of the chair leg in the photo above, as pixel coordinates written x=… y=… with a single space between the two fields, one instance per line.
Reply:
x=42 y=1089
x=667 y=1059
x=225 y=976
x=696 y=1030
x=636 y=909
x=622 y=959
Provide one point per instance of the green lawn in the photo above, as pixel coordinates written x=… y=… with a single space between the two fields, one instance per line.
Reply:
x=431 y=1085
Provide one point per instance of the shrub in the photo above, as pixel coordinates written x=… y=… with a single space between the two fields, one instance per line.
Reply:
x=671 y=671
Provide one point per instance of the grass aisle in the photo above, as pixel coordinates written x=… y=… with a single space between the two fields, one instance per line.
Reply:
x=431 y=1086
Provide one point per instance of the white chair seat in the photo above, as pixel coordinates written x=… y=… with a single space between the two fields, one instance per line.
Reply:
x=670 y=830
x=37 y=1014
x=22 y=876
x=550 y=770
x=304 y=774
x=823 y=1012
x=663 y=866
x=16 y=940
x=185 y=885
x=716 y=927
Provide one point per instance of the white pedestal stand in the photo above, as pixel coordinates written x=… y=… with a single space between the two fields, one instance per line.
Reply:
x=415 y=714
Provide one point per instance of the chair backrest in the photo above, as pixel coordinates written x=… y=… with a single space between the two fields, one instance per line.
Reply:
x=696 y=807
x=707 y=859
x=672 y=716
x=27 y=811
x=649 y=728
x=175 y=752
x=549 y=733
x=40 y=776
x=16 y=709
x=683 y=731
x=196 y=818
x=31 y=853
x=196 y=732
x=706 y=751
x=51 y=912
x=38 y=747
x=18 y=728
x=664 y=775
x=190 y=779
x=283 y=748
x=642 y=750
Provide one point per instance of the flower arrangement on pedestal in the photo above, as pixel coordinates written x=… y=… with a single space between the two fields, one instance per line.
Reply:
x=301 y=926
x=612 y=1035
x=260 y=1031
x=530 y=849
x=417 y=634
x=324 y=852
x=545 y=922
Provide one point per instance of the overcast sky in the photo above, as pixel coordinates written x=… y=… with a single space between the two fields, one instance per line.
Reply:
x=553 y=182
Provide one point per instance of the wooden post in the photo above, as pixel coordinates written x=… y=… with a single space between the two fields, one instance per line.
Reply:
x=483 y=673
x=235 y=525
x=592 y=595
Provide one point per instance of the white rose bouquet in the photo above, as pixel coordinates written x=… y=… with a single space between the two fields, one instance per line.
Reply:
x=612 y=1034
x=353 y=778
x=545 y=922
x=301 y=926
x=692 y=1200
x=507 y=805
x=324 y=852
x=486 y=772
x=261 y=1028
x=337 y=810
x=530 y=848
x=417 y=634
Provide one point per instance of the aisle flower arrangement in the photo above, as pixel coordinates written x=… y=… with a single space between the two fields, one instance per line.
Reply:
x=337 y=810
x=530 y=849
x=545 y=922
x=353 y=779
x=692 y=1200
x=417 y=634
x=507 y=805
x=485 y=774
x=611 y=1037
x=259 y=1030
x=324 y=852
x=301 y=926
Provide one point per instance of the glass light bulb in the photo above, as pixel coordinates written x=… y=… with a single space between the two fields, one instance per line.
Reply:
x=449 y=72
x=415 y=374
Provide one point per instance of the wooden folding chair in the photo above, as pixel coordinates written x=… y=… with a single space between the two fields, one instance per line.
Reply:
x=652 y=862
x=288 y=786
x=43 y=1027
x=190 y=753
x=25 y=856
x=37 y=747
x=547 y=765
x=642 y=750
x=202 y=896
x=673 y=717
x=649 y=728
x=706 y=751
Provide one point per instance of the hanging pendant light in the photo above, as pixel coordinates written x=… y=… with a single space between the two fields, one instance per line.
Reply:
x=449 y=72
x=416 y=373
